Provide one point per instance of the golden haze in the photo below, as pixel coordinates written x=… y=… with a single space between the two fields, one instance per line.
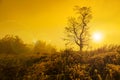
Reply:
x=46 y=19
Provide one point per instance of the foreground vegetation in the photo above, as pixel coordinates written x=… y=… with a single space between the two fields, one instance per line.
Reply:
x=19 y=61
x=64 y=65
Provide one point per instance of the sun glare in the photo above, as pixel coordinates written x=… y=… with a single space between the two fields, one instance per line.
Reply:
x=34 y=41
x=97 y=37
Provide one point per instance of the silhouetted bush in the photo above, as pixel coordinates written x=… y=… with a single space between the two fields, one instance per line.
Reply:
x=12 y=44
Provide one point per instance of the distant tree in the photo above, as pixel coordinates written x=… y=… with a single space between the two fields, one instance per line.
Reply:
x=39 y=47
x=42 y=47
x=78 y=29
x=12 y=44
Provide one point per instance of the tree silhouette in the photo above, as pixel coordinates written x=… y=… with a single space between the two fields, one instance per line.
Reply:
x=78 y=29
x=42 y=47
x=12 y=44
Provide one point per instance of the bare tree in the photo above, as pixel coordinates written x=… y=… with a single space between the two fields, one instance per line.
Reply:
x=78 y=29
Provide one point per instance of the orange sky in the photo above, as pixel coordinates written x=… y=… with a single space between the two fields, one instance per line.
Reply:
x=46 y=19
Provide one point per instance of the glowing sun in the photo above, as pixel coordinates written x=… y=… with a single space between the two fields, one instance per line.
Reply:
x=97 y=37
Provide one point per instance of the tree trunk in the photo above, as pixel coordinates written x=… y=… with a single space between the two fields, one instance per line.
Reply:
x=81 y=47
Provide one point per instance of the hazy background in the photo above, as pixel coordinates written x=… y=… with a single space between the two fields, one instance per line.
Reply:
x=45 y=19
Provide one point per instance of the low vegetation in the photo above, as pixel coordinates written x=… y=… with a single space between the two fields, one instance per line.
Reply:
x=43 y=62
